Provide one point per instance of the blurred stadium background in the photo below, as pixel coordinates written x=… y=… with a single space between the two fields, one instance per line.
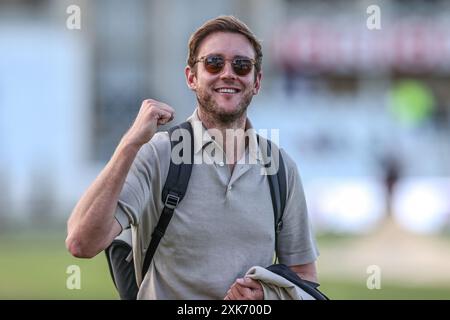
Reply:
x=364 y=113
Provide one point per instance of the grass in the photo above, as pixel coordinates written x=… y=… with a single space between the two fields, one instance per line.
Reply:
x=34 y=267
x=352 y=290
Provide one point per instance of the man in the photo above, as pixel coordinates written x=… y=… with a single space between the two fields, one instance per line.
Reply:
x=224 y=225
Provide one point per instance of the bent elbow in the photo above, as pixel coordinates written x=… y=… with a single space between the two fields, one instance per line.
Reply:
x=78 y=250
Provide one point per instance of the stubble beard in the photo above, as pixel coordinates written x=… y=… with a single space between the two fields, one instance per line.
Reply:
x=213 y=110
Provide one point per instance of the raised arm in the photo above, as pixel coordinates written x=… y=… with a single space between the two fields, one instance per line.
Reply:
x=92 y=225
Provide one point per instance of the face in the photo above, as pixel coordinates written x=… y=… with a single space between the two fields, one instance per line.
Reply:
x=224 y=106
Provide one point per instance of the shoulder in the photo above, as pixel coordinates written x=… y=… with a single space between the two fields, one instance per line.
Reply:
x=294 y=180
x=154 y=156
x=289 y=163
x=159 y=146
x=160 y=140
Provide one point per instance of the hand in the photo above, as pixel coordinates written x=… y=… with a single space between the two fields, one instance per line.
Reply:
x=151 y=115
x=245 y=289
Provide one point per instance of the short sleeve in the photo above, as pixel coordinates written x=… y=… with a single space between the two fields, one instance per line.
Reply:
x=296 y=242
x=143 y=182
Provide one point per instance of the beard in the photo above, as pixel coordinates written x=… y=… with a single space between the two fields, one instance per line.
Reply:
x=210 y=106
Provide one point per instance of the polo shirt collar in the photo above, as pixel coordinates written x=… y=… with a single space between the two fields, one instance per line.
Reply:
x=202 y=138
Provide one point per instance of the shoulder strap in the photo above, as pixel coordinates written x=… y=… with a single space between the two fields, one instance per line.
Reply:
x=178 y=180
x=173 y=191
x=278 y=190
x=311 y=288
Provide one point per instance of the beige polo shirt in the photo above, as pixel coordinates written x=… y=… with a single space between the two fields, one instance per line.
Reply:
x=222 y=227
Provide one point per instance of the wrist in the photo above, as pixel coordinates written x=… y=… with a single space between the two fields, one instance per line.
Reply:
x=127 y=148
x=127 y=142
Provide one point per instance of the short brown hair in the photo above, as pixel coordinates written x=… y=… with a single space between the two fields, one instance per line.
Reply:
x=223 y=24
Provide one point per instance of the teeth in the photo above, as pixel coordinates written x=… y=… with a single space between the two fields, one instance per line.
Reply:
x=227 y=90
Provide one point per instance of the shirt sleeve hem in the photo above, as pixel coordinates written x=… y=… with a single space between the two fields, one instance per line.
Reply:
x=122 y=218
x=299 y=258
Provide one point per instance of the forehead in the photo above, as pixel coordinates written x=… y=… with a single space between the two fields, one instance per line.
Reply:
x=226 y=43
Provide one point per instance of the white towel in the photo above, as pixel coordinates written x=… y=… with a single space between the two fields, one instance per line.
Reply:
x=275 y=286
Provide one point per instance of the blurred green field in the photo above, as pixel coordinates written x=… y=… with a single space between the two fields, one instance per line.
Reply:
x=34 y=267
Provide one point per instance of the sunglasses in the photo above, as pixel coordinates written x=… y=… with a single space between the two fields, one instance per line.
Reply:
x=214 y=64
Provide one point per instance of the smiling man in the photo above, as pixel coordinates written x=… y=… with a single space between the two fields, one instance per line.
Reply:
x=225 y=224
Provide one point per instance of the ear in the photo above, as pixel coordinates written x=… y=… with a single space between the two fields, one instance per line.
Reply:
x=191 y=78
x=257 y=84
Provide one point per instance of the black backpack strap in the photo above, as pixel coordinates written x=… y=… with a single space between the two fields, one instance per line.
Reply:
x=278 y=190
x=173 y=191
x=311 y=288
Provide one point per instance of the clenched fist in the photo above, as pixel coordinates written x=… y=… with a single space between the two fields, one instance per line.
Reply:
x=151 y=115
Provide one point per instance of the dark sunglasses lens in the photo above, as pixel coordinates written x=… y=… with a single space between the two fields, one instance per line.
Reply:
x=214 y=64
x=242 y=67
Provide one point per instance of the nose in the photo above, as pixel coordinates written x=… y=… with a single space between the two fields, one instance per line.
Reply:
x=227 y=71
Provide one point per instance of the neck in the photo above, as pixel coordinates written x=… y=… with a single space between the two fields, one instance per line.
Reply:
x=233 y=149
x=211 y=121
